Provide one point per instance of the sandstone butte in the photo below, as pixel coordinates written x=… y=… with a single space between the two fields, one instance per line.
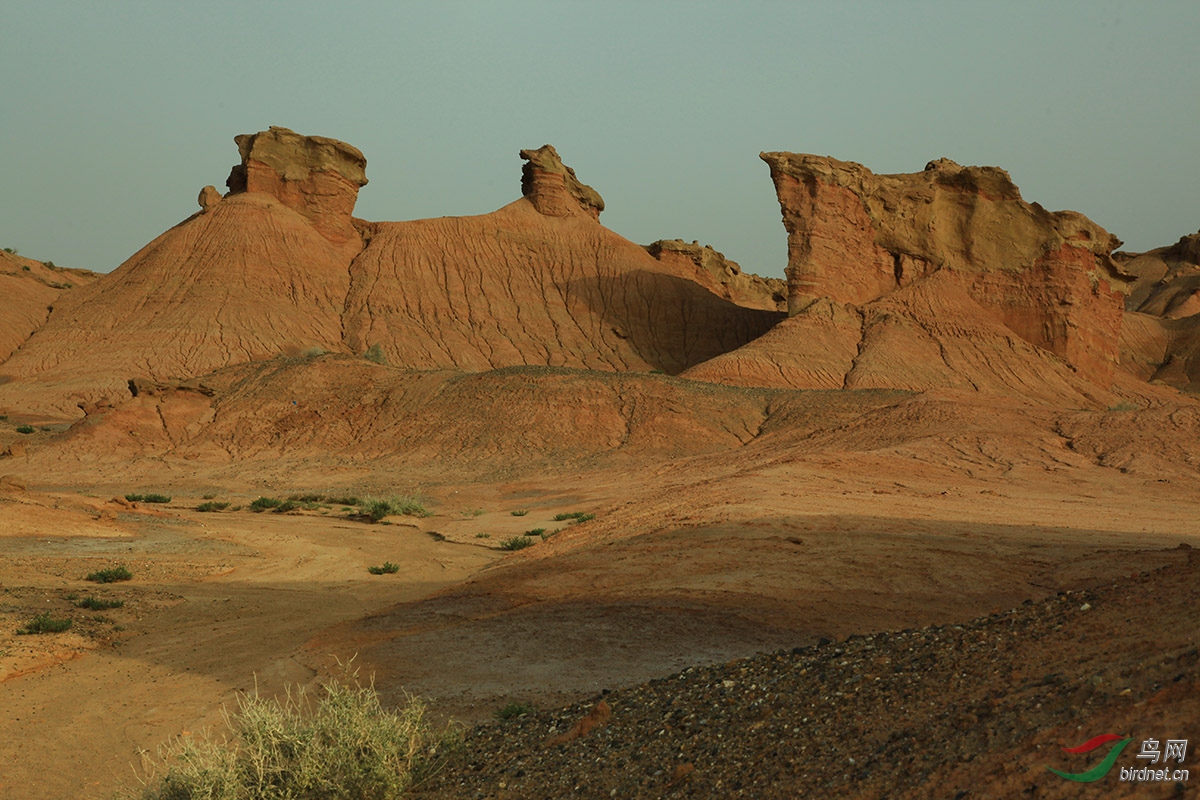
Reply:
x=942 y=279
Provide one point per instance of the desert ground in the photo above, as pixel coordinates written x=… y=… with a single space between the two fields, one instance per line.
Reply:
x=968 y=477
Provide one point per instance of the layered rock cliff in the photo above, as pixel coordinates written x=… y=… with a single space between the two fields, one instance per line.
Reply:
x=552 y=188
x=854 y=237
x=314 y=175
x=944 y=277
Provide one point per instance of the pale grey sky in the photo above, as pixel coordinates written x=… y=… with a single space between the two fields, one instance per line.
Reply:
x=114 y=114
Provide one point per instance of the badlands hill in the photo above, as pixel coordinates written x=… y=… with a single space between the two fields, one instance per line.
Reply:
x=240 y=333
x=280 y=266
x=30 y=290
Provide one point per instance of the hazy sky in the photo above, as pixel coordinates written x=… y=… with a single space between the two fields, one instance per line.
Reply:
x=115 y=114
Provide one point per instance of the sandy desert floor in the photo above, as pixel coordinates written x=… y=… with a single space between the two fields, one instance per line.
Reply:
x=687 y=562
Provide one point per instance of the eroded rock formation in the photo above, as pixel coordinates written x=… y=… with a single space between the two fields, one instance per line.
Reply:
x=855 y=237
x=314 y=175
x=1160 y=338
x=553 y=188
x=722 y=275
x=29 y=289
x=278 y=267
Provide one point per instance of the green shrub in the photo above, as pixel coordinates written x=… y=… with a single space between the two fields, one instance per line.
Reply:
x=514 y=710
x=520 y=512
x=11 y=250
x=342 y=500
x=264 y=503
x=574 y=516
x=376 y=508
x=211 y=506
x=93 y=603
x=209 y=496
x=44 y=623
x=535 y=532
x=482 y=535
x=375 y=354
x=111 y=575
x=148 y=498
x=516 y=543
x=388 y=568
x=24 y=429
x=343 y=746
x=409 y=506
x=286 y=506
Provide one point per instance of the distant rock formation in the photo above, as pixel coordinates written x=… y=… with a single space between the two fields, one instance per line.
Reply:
x=278 y=267
x=314 y=175
x=553 y=188
x=855 y=237
x=1160 y=338
x=722 y=275
x=941 y=278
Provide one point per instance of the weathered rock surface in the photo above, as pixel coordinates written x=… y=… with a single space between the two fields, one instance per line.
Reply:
x=955 y=281
x=521 y=287
x=314 y=175
x=278 y=266
x=553 y=188
x=246 y=280
x=1168 y=279
x=1047 y=275
x=29 y=289
x=1160 y=335
x=930 y=335
x=722 y=276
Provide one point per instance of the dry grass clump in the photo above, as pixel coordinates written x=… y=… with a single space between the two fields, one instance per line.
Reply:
x=343 y=745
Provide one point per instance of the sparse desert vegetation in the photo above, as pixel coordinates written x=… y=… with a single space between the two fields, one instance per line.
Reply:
x=110 y=575
x=516 y=543
x=152 y=497
x=514 y=710
x=93 y=603
x=571 y=517
x=44 y=623
x=341 y=745
x=261 y=504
